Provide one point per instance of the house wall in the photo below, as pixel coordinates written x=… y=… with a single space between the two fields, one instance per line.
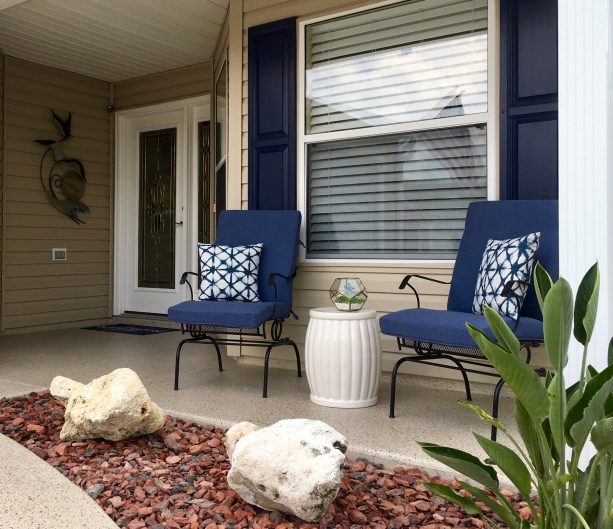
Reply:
x=176 y=84
x=38 y=292
x=313 y=280
x=1 y=168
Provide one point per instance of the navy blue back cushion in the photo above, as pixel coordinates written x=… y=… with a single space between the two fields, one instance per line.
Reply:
x=278 y=231
x=503 y=219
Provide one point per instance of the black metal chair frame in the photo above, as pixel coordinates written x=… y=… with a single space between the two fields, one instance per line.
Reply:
x=202 y=334
x=428 y=353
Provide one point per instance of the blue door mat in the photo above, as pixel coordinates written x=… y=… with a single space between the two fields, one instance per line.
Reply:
x=126 y=328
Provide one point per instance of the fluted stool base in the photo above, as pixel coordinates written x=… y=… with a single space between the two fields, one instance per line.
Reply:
x=343 y=358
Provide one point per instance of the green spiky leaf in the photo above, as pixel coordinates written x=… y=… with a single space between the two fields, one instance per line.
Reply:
x=586 y=305
x=542 y=283
x=528 y=434
x=481 y=413
x=555 y=421
x=590 y=408
x=508 y=516
x=463 y=462
x=504 y=335
x=518 y=375
x=509 y=462
x=558 y=323
x=447 y=493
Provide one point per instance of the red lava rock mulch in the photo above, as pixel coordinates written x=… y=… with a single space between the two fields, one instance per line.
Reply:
x=176 y=479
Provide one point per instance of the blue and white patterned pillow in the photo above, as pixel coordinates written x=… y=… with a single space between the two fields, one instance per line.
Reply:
x=229 y=273
x=504 y=261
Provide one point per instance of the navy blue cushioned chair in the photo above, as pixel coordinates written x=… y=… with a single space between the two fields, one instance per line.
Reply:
x=440 y=337
x=239 y=322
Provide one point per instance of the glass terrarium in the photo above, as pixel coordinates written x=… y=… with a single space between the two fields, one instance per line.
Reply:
x=348 y=293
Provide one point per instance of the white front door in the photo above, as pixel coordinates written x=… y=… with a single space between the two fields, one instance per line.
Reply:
x=156 y=219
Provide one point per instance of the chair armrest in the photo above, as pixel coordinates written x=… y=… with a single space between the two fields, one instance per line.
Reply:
x=185 y=280
x=272 y=275
x=507 y=290
x=271 y=281
x=406 y=283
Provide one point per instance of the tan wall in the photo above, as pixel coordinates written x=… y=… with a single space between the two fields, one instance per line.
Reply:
x=176 y=84
x=312 y=282
x=1 y=168
x=38 y=291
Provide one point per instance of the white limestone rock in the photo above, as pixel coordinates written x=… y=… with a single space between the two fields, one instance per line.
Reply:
x=113 y=407
x=293 y=466
x=237 y=432
x=62 y=387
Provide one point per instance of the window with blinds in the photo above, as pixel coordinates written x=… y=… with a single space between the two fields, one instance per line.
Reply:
x=395 y=135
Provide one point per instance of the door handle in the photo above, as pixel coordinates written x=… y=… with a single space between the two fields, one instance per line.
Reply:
x=179 y=223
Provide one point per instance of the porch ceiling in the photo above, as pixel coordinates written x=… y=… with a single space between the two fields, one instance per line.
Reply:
x=111 y=39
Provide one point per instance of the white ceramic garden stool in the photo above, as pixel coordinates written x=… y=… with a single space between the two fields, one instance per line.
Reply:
x=343 y=358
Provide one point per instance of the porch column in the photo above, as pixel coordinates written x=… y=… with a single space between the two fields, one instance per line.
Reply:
x=585 y=159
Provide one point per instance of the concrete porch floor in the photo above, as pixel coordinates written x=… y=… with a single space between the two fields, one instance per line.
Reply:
x=28 y=362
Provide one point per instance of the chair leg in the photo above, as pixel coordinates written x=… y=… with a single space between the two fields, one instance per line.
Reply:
x=195 y=340
x=266 y=360
x=393 y=388
x=178 y=360
x=462 y=370
x=297 y=352
x=218 y=351
x=497 y=391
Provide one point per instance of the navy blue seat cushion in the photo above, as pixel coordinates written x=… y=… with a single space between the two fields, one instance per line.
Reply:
x=227 y=313
x=447 y=327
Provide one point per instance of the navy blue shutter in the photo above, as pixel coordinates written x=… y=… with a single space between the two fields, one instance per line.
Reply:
x=529 y=99
x=272 y=115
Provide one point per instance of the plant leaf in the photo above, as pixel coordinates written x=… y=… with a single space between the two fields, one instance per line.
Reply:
x=447 y=493
x=463 y=462
x=504 y=335
x=589 y=409
x=586 y=305
x=556 y=425
x=542 y=283
x=558 y=323
x=528 y=434
x=509 y=517
x=482 y=414
x=518 y=375
x=602 y=434
x=509 y=462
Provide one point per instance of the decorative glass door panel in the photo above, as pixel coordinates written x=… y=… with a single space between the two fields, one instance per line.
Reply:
x=157 y=209
x=204 y=181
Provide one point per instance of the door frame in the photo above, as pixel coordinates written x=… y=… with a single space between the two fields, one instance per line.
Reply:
x=194 y=109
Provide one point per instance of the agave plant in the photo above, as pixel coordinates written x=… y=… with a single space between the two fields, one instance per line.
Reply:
x=555 y=423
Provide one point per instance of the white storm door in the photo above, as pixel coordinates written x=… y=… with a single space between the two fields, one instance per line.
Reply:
x=155 y=216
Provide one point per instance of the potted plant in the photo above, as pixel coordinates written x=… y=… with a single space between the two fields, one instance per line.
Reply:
x=555 y=422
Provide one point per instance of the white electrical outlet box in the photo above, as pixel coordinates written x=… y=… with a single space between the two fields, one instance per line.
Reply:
x=59 y=254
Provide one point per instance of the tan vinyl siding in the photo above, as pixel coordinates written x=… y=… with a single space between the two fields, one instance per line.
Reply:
x=1 y=175
x=312 y=281
x=39 y=292
x=190 y=81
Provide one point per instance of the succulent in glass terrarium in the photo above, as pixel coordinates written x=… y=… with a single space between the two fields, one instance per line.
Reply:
x=348 y=293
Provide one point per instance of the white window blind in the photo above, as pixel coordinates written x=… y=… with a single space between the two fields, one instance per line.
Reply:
x=395 y=136
x=396 y=64
x=403 y=195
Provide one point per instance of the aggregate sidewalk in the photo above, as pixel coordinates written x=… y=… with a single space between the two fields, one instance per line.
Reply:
x=34 y=495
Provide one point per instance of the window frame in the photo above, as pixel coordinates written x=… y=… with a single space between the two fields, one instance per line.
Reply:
x=489 y=118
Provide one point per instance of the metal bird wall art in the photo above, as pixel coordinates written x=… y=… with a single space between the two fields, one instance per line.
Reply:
x=63 y=179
